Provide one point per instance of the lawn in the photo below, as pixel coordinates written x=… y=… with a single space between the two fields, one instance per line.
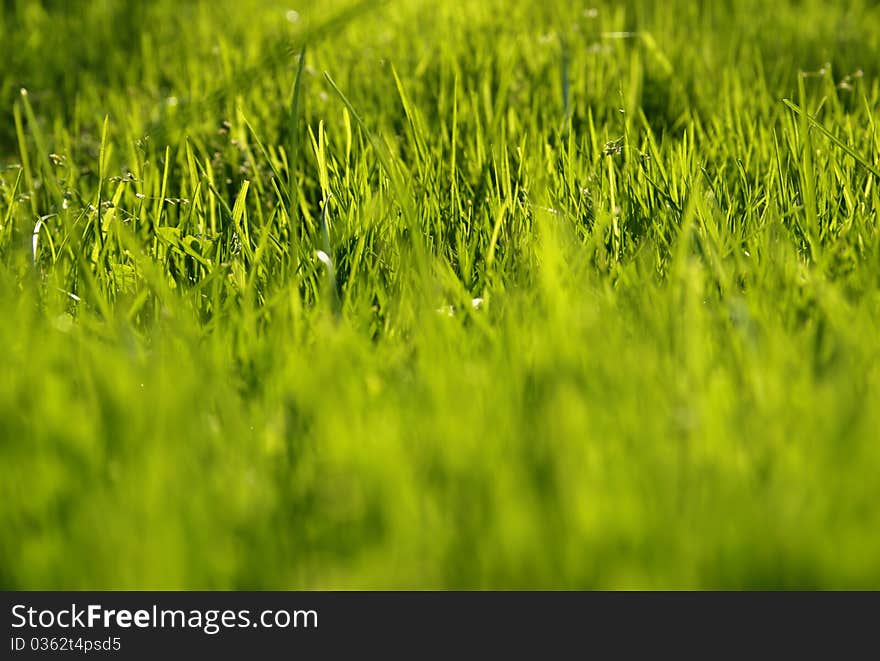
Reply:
x=439 y=294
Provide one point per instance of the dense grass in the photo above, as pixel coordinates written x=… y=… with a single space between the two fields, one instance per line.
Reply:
x=439 y=294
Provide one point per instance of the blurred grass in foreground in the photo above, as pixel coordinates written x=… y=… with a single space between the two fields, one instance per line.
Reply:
x=515 y=296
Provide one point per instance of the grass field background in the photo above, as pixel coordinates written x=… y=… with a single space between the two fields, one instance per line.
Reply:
x=425 y=294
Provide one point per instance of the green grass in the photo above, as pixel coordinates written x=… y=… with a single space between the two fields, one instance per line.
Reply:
x=240 y=258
